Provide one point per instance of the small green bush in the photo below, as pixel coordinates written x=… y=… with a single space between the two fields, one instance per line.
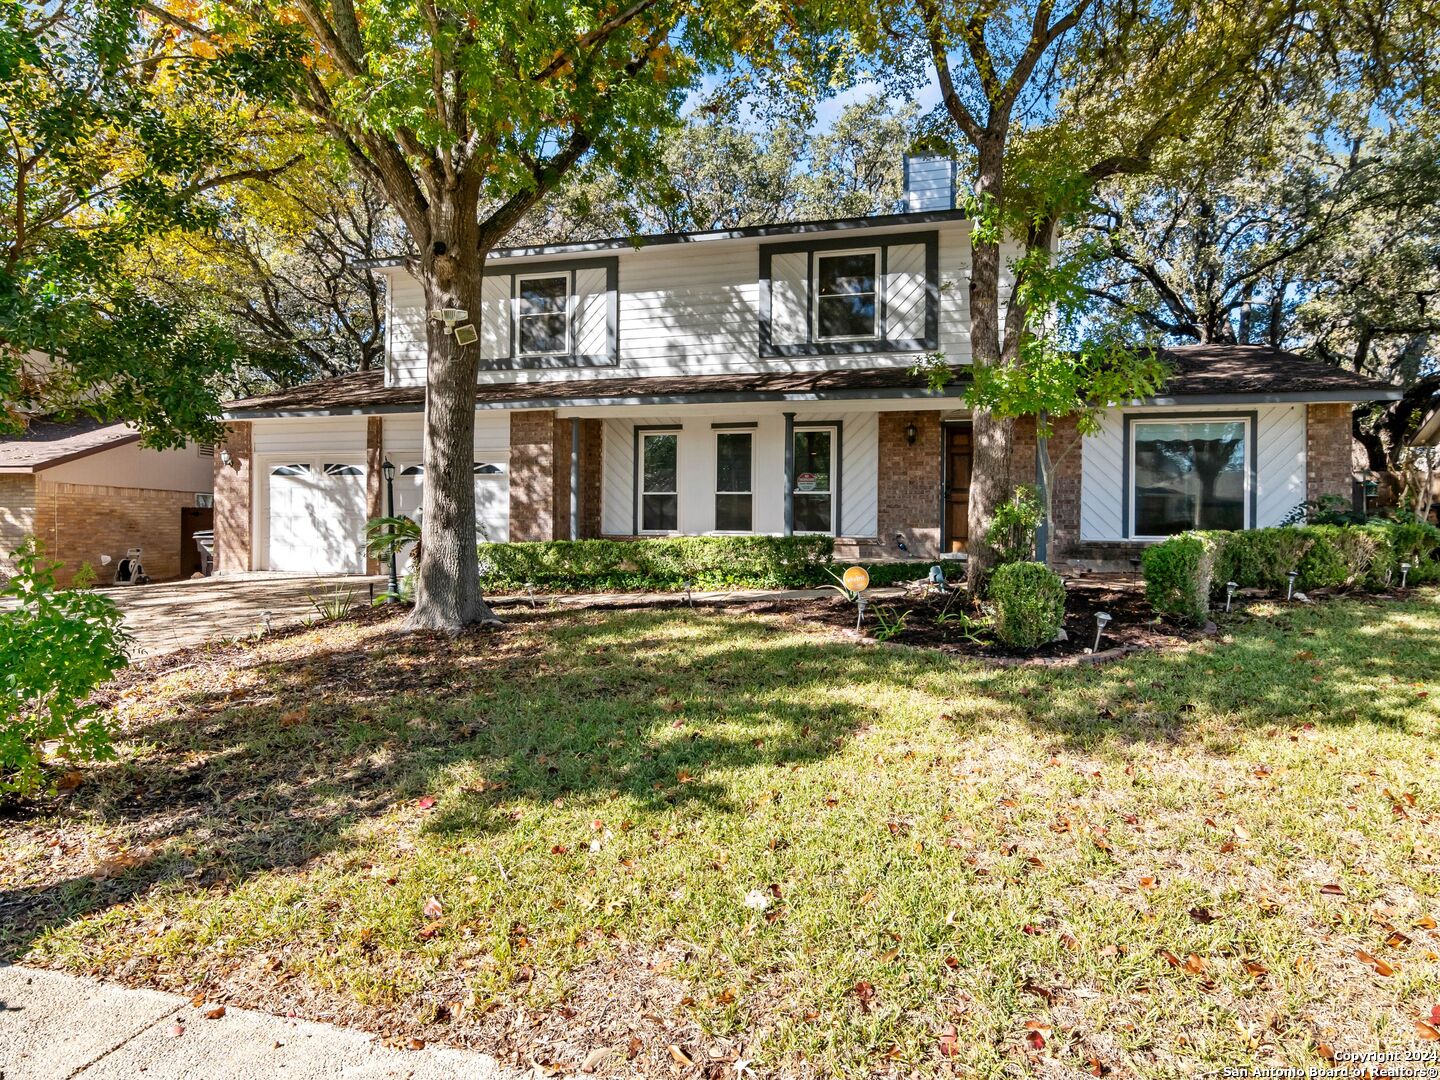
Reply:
x=1029 y=602
x=662 y=564
x=56 y=647
x=1013 y=526
x=1177 y=576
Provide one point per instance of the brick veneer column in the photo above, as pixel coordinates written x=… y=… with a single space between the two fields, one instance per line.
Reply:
x=374 y=477
x=908 y=500
x=1329 y=469
x=232 y=501
x=592 y=466
x=1065 y=464
x=533 y=475
x=17 y=514
x=560 y=511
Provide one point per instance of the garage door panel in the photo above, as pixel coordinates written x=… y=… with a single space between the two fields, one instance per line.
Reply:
x=317 y=518
x=492 y=498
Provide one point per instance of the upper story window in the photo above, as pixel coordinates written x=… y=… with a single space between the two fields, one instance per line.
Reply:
x=831 y=296
x=542 y=315
x=846 y=296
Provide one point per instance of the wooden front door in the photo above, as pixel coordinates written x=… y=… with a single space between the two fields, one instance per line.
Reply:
x=957 y=486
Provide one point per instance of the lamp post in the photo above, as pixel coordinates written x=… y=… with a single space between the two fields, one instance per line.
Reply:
x=388 y=468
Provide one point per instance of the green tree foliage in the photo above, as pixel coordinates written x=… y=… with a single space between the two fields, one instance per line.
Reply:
x=56 y=647
x=112 y=136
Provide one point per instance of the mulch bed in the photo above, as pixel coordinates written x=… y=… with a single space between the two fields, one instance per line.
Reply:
x=1133 y=626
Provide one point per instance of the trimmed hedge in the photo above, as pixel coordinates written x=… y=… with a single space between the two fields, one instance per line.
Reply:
x=659 y=565
x=1183 y=573
x=1029 y=602
x=1178 y=572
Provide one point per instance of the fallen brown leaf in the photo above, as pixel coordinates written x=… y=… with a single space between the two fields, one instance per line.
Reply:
x=1380 y=966
x=215 y=1013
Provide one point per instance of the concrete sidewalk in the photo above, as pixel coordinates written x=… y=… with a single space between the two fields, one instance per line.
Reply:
x=55 y=1027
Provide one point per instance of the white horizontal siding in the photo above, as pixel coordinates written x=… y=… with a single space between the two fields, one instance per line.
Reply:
x=695 y=309
x=859 y=462
x=310 y=435
x=404 y=433
x=1279 y=457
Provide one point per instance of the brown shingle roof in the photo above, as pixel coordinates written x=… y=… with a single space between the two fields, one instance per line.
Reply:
x=1259 y=370
x=48 y=442
x=1197 y=371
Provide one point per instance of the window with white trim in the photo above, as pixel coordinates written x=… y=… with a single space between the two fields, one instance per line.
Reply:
x=813 y=497
x=299 y=469
x=734 y=469
x=1189 y=474
x=846 y=295
x=659 y=481
x=542 y=315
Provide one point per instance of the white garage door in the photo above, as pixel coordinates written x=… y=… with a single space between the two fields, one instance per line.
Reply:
x=317 y=517
x=492 y=499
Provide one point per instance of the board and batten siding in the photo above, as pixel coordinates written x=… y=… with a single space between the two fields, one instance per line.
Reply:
x=859 y=471
x=691 y=309
x=1279 y=459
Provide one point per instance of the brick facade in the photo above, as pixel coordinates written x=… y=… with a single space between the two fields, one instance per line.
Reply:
x=909 y=496
x=17 y=513
x=1329 y=469
x=592 y=444
x=232 y=500
x=533 y=481
x=81 y=522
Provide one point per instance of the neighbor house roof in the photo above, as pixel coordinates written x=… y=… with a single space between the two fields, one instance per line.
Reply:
x=1200 y=374
x=46 y=443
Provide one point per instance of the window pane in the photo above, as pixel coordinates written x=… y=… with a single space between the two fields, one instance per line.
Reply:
x=659 y=472
x=812 y=461
x=732 y=462
x=846 y=274
x=659 y=513
x=1189 y=476
x=845 y=285
x=812 y=513
x=543 y=295
x=543 y=334
x=732 y=513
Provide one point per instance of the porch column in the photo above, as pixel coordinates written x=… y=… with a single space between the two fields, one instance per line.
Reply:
x=789 y=474
x=575 y=478
x=233 y=515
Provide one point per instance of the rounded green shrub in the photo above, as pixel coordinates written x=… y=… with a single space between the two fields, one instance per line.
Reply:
x=1029 y=602
x=1178 y=572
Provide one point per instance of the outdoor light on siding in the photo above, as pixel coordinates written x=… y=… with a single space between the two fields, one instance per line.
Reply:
x=911 y=433
x=1290 y=588
x=225 y=458
x=1404 y=573
x=1230 y=588
x=1102 y=620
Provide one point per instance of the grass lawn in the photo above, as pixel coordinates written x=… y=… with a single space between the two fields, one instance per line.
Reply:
x=541 y=842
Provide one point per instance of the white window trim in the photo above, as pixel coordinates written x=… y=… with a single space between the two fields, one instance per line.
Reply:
x=878 y=292
x=1137 y=421
x=834 y=529
x=640 y=491
x=750 y=434
x=520 y=280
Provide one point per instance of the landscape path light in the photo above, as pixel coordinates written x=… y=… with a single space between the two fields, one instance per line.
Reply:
x=1102 y=620
x=1230 y=588
x=1404 y=573
x=1290 y=588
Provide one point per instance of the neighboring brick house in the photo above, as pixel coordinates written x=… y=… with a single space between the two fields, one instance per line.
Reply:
x=759 y=380
x=89 y=490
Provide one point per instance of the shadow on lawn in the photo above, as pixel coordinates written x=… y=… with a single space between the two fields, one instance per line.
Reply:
x=650 y=706
x=1285 y=667
x=633 y=704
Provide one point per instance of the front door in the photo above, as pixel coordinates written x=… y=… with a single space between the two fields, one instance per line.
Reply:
x=957 y=486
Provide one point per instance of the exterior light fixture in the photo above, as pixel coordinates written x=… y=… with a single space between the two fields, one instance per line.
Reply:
x=225 y=458
x=1404 y=573
x=860 y=605
x=1230 y=588
x=530 y=592
x=689 y=600
x=1290 y=588
x=1102 y=620
x=911 y=433
x=388 y=470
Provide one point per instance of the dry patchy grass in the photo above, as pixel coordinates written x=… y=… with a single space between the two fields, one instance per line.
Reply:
x=1162 y=866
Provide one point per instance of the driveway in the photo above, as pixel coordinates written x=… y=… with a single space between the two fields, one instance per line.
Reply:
x=180 y=614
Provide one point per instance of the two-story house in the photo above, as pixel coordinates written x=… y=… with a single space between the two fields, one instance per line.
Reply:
x=758 y=380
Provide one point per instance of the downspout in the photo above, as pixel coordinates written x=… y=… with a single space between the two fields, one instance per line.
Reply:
x=574 y=478
x=789 y=474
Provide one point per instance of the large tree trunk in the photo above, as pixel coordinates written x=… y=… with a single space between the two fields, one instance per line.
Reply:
x=992 y=437
x=447 y=595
